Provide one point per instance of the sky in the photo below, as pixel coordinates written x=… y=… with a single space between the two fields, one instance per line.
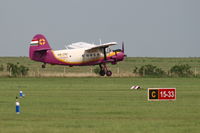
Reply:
x=149 y=28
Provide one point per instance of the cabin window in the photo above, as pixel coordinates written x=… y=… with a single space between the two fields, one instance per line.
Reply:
x=87 y=55
x=83 y=55
x=98 y=54
x=90 y=54
x=108 y=50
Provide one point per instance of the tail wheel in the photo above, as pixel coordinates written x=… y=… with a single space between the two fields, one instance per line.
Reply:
x=102 y=73
x=108 y=73
x=43 y=65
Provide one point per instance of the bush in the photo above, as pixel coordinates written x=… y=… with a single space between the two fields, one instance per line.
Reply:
x=1 y=67
x=97 y=70
x=149 y=70
x=16 y=70
x=135 y=70
x=181 y=70
x=23 y=70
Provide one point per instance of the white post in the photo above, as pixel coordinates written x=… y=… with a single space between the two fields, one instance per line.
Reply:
x=10 y=72
x=118 y=70
x=91 y=69
x=38 y=72
x=143 y=72
x=17 y=107
x=20 y=94
x=195 y=72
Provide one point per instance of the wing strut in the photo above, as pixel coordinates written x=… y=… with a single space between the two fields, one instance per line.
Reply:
x=104 y=52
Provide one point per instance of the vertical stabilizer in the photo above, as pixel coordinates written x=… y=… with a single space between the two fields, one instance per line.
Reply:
x=38 y=47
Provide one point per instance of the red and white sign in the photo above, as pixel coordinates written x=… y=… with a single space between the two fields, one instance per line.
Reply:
x=156 y=94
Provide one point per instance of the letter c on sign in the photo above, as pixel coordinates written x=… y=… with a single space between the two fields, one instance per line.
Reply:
x=153 y=94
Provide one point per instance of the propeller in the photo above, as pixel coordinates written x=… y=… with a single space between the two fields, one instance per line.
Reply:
x=123 y=47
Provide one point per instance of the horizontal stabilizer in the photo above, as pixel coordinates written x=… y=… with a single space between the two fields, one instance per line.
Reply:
x=43 y=49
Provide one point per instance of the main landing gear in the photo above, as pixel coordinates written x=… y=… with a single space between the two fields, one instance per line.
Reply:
x=104 y=71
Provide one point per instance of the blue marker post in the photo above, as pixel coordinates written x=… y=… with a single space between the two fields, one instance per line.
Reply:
x=21 y=94
x=17 y=106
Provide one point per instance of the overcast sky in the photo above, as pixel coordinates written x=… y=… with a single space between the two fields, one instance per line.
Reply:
x=155 y=28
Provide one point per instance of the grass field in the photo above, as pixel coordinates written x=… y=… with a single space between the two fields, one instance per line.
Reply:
x=98 y=105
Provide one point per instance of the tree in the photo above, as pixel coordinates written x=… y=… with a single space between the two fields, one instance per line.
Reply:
x=149 y=70
x=16 y=70
x=96 y=70
x=1 y=67
x=181 y=70
x=23 y=70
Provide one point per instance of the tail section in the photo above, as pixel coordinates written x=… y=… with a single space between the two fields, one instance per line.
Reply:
x=38 y=48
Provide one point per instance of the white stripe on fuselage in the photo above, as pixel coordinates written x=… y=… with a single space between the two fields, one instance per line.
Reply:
x=77 y=55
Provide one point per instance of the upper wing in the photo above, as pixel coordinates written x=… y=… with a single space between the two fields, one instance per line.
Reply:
x=105 y=45
x=79 y=45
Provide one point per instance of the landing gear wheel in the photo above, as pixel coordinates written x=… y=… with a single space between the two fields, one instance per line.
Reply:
x=108 y=73
x=102 y=73
x=43 y=65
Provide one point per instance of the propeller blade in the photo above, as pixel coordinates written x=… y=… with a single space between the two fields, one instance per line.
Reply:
x=123 y=47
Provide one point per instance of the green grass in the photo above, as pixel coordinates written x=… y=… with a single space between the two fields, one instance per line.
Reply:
x=98 y=105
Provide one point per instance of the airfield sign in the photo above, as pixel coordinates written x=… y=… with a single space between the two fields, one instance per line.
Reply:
x=157 y=94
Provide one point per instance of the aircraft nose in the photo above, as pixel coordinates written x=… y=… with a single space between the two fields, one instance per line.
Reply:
x=120 y=56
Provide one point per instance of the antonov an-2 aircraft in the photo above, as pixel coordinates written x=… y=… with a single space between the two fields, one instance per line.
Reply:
x=75 y=54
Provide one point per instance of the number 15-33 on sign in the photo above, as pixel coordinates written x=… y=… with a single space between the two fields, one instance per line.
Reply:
x=157 y=94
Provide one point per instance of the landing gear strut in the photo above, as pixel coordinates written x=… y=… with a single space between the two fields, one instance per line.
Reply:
x=104 y=70
x=44 y=65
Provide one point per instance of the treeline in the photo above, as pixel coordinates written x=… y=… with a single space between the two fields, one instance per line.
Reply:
x=183 y=70
x=15 y=70
x=149 y=70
